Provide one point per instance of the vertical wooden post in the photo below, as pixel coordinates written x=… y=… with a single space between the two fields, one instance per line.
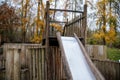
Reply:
x=16 y=64
x=9 y=64
x=85 y=24
x=47 y=40
x=12 y=62
x=64 y=29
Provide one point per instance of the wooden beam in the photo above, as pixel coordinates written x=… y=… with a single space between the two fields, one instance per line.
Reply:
x=74 y=21
x=85 y=24
x=66 y=10
x=47 y=68
x=57 y=22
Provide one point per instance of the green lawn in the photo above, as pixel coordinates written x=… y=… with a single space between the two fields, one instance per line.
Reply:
x=113 y=54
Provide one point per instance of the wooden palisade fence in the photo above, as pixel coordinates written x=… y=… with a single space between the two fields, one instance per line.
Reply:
x=109 y=69
x=97 y=51
x=28 y=62
x=44 y=62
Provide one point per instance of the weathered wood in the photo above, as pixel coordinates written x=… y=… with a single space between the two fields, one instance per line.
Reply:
x=75 y=21
x=35 y=62
x=47 y=40
x=39 y=69
x=37 y=66
x=9 y=64
x=30 y=64
x=66 y=10
x=33 y=59
x=17 y=66
x=43 y=65
x=109 y=69
x=97 y=51
x=65 y=63
x=57 y=22
x=23 y=56
x=85 y=24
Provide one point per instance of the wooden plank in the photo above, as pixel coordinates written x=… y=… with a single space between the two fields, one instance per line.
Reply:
x=42 y=62
x=75 y=21
x=57 y=22
x=17 y=66
x=9 y=64
x=47 y=41
x=56 y=64
x=54 y=69
x=39 y=63
x=85 y=24
x=30 y=64
x=22 y=56
x=117 y=71
x=66 y=10
x=35 y=66
x=27 y=60
x=33 y=61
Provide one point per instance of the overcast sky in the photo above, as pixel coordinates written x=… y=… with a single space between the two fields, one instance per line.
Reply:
x=91 y=21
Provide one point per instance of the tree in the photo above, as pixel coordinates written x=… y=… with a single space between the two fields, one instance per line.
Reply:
x=116 y=6
x=9 y=21
x=106 y=21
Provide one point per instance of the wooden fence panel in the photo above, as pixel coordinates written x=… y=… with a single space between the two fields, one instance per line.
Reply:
x=10 y=65
x=25 y=66
x=109 y=69
x=33 y=64
x=97 y=51
x=56 y=63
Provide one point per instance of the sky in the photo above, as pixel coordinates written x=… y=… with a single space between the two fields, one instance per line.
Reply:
x=59 y=16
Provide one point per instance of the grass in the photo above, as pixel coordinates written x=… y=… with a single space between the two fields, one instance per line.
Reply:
x=113 y=54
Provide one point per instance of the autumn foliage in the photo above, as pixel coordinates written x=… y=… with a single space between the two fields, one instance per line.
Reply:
x=8 y=17
x=9 y=22
x=106 y=22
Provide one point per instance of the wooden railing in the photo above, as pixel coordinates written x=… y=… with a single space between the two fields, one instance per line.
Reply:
x=77 y=25
x=24 y=62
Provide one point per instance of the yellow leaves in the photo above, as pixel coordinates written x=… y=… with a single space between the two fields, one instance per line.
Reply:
x=36 y=38
x=24 y=20
x=97 y=36
x=57 y=27
x=40 y=22
x=110 y=35
x=50 y=0
x=51 y=12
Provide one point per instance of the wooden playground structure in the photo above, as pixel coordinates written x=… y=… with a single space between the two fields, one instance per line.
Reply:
x=46 y=61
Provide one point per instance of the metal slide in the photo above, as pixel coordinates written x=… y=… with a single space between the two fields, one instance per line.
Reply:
x=78 y=63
